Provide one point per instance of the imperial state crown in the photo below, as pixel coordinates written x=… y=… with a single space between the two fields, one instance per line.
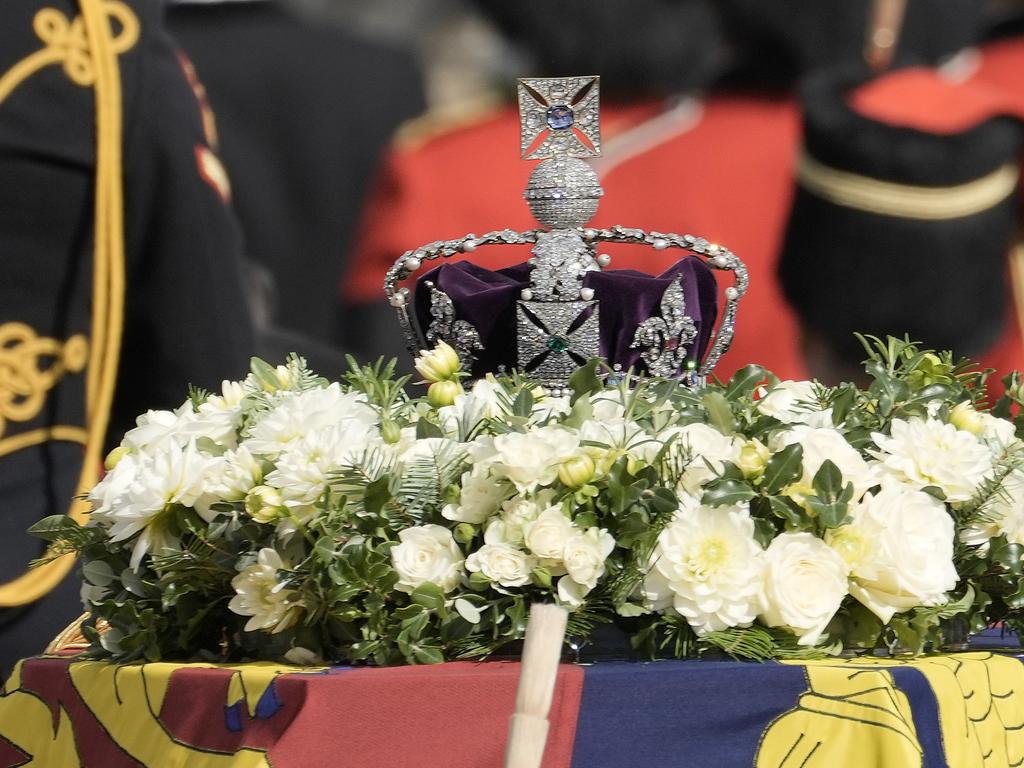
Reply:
x=548 y=316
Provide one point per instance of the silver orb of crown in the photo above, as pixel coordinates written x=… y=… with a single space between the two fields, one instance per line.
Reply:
x=563 y=192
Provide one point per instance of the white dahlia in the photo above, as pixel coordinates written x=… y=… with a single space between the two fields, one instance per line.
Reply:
x=709 y=565
x=924 y=452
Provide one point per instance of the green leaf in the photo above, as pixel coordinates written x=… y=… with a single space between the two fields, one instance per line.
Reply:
x=429 y=595
x=424 y=654
x=935 y=491
x=725 y=491
x=426 y=428
x=377 y=494
x=1007 y=555
x=787 y=510
x=265 y=374
x=523 y=404
x=467 y=610
x=830 y=514
x=585 y=381
x=744 y=381
x=99 y=573
x=828 y=481
x=783 y=468
x=53 y=527
x=719 y=412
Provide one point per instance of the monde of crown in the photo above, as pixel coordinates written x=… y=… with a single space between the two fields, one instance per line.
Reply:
x=564 y=305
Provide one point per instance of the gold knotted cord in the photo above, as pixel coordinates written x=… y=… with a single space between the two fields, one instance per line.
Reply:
x=887 y=198
x=87 y=48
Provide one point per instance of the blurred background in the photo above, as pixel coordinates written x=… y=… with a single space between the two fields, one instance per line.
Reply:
x=354 y=131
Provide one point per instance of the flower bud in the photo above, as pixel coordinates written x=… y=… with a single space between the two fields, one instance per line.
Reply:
x=442 y=393
x=963 y=416
x=114 y=456
x=265 y=504
x=464 y=533
x=576 y=471
x=438 y=364
x=753 y=459
x=390 y=431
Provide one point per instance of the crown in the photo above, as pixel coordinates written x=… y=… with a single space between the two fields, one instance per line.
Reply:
x=548 y=316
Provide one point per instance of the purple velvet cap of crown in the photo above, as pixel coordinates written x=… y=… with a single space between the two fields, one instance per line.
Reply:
x=487 y=299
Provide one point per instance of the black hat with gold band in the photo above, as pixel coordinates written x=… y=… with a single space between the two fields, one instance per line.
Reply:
x=904 y=211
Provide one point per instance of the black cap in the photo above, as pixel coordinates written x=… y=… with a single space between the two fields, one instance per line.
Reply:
x=897 y=229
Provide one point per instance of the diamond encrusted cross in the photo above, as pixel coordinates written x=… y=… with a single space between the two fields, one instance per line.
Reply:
x=559 y=116
x=555 y=338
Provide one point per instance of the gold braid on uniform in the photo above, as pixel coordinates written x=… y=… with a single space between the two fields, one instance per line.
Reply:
x=87 y=48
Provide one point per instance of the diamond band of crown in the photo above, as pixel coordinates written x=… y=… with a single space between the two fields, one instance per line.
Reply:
x=558 y=318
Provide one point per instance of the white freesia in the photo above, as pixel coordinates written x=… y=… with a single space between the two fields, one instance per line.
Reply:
x=261 y=596
x=147 y=488
x=805 y=582
x=220 y=415
x=899 y=546
x=427 y=554
x=547 y=534
x=584 y=556
x=486 y=400
x=299 y=414
x=924 y=452
x=821 y=443
x=479 y=498
x=708 y=565
x=795 y=402
x=532 y=458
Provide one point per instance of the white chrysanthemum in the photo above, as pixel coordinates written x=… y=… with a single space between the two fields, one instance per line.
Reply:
x=710 y=564
x=301 y=413
x=261 y=596
x=134 y=501
x=532 y=458
x=805 y=582
x=607 y=406
x=303 y=467
x=899 y=547
x=479 y=498
x=924 y=452
x=427 y=554
x=705 y=448
x=821 y=443
x=795 y=402
x=503 y=564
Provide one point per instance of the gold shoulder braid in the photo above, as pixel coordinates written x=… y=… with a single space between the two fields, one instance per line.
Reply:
x=87 y=48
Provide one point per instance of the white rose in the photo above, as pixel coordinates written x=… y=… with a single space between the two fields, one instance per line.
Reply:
x=503 y=564
x=710 y=563
x=805 y=581
x=906 y=558
x=427 y=554
x=584 y=556
x=479 y=499
x=546 y=536
x=795 y=402
x=821 y=443
x=258 y=594
x=532 y=458
x=925 y=452
x=516 y=513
